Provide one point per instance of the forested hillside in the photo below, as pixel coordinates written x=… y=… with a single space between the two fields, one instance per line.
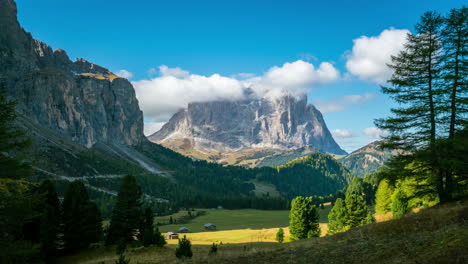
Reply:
x=315 y=174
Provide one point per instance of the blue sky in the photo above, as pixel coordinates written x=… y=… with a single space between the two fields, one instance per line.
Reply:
x=232 y=37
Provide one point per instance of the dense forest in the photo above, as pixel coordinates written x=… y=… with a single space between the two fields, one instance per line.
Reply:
x=316 y=174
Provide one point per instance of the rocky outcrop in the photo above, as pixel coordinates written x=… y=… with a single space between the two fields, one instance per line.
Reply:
x=287 y=122
x=79 y=100
x=367 y=160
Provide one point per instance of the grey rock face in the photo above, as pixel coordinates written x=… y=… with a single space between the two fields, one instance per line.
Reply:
x=287 y=122
x=80 y=100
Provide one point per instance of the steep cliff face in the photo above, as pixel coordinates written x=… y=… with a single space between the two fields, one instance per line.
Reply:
x=79 y=100
x=284 y=123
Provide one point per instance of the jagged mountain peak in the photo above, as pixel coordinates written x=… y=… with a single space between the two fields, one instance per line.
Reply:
x=285 y=122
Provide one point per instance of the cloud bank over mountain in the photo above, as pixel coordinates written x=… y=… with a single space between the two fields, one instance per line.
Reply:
x=174 y=88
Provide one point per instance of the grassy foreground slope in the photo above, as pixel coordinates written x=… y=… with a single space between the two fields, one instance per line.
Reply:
x=434 y=235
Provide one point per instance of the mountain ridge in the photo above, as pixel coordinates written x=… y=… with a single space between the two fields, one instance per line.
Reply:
x=219 y=127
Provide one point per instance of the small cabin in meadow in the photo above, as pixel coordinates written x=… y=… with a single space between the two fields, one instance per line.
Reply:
x=184 y=230
x=171 y=235
x=210 y=226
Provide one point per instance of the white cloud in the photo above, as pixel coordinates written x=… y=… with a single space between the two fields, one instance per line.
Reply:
x=151 y=127
x=370 y=55
x=152 y=71
x=342 y=133
x=374 y=133
x=307 y=57
x=342 y=103
x=295 y=77
x=243 y=75
x=176 y=72
x=125 y=74
x=162 y=96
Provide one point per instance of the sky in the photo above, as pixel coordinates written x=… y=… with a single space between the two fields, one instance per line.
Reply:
x=179 y=51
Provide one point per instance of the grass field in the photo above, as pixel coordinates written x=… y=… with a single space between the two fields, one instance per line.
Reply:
x=237 y=226
x=236 y=219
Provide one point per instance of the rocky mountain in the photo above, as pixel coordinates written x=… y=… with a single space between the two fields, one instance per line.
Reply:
x=79 y=99
x=367 y=159
x=85 y=123
x=265 y=124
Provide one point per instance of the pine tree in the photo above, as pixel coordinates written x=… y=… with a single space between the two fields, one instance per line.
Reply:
x=383 y=197
x=81 y=218
x=12 y=140
x=415 y=86
x=418 y=86
x=356 y=211
x=370 y=218
x=399 y=204
x=92 y=223
x=454 y=38
x=18 y=204
x=185 y=248
x=280 y=235
x=126 y=216
x=148 y=237
x=49 y=221
x=337 y=218
x=159 y=240
x=455 y=73
x=303 y=218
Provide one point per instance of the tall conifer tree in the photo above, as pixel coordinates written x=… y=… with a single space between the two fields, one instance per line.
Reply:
x=303 y=218
x=126 y=217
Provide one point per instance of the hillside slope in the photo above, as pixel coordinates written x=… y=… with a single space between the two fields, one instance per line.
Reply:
x=437 y=235
x=316 y=173
x=367 y=159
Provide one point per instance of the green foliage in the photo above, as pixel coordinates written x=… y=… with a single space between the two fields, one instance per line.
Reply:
x=81 y=218
x=303 y=218
x=126 y=216
x=147 y=229
x=185 y=248
x=315 y=174
x=16 y=211
x=159 y=240
x=360 y=187
x=213 y=249
x=454 y=37
x=280 y=235
x=50 y=221
x=21 y=209
x=349 y=213
x=399 y=204
x=337 y=218
x=92 y=223
x=122 y=260
x=383 y=197
x=370 y=218
x=12 y=140
x=356 y=210
x=429 y=83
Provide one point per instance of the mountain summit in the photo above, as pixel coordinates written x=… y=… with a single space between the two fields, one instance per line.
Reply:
x=283 y=123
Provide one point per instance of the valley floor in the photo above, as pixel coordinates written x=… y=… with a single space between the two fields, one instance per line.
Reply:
x=434 y=235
